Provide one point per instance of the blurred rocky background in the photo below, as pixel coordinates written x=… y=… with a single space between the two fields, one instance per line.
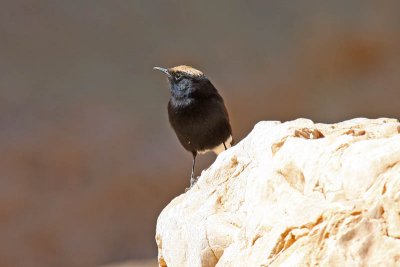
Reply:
x=88 y=159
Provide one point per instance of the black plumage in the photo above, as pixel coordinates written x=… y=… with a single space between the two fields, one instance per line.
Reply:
x=197 y=112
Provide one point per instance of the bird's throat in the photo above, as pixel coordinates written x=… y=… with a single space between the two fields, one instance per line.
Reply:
x=181 y=102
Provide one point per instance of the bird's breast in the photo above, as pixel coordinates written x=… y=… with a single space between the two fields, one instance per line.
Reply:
x=200 y=124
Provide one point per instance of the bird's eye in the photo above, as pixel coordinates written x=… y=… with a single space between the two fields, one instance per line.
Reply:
x=178 y=76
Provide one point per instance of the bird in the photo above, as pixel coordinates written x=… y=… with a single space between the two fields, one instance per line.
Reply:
x=197 y=113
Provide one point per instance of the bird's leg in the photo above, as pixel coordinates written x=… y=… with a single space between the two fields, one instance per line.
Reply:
x=224 y=145
x=192 y=179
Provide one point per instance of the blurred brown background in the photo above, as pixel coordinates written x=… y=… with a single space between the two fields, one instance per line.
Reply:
x=88 y=159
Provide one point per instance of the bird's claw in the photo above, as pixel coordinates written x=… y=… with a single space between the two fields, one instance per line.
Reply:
x=193 y=181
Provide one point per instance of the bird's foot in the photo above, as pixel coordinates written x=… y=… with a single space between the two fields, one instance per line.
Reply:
x=193 y=181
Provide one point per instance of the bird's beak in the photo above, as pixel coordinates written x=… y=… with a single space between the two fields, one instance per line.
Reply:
x=165 y=71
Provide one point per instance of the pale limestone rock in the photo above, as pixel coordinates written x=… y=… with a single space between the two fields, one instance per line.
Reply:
x=293 y=194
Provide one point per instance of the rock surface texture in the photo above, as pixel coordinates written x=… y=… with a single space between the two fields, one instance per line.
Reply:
x=293 y=194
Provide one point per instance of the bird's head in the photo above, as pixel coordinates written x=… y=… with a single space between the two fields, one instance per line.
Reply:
x=185 y=81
